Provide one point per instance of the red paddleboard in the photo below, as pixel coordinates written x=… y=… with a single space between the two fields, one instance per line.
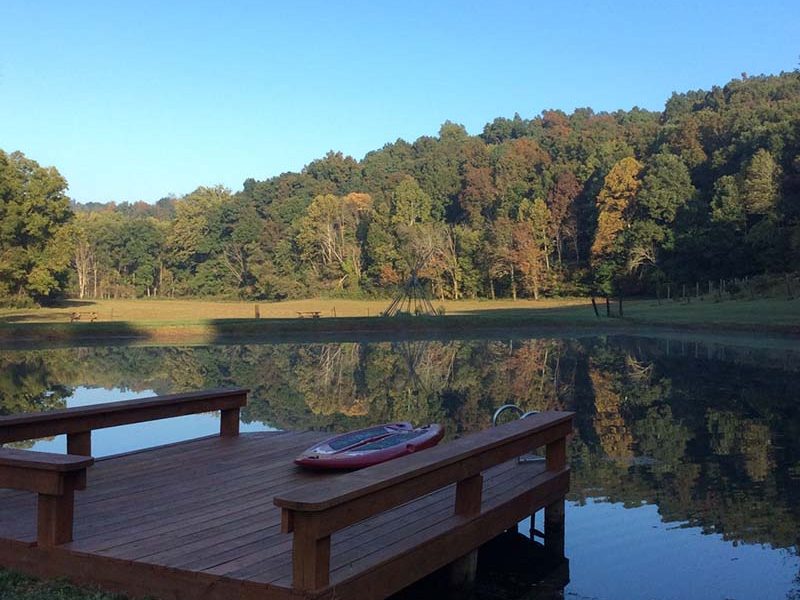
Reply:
x=370 y=446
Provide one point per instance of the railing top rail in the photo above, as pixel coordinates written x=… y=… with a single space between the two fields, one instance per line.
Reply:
x=110 y=414
x=457 y=459
x=43 y=461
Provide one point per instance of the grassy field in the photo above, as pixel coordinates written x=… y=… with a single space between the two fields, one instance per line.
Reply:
x=208 y=321
x=15 y=586
x=193 y=311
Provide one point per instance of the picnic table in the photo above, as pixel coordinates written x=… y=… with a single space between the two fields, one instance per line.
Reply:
x=85 y=316
x=314 y=314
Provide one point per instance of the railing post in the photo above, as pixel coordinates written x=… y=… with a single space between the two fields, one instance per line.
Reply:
x=469 y=493
x=311 y=553
x=229 y=422
x=79 y=444
x=556 y=455
x=55 y=511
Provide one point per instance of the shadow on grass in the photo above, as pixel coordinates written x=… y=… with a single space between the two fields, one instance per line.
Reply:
x=23 y=333
x=475 y=324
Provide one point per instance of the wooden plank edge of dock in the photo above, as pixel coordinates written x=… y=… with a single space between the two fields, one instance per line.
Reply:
x=133 y=579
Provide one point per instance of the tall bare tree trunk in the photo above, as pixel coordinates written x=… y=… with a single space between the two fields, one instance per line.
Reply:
x=513 y=284
x=558 y=247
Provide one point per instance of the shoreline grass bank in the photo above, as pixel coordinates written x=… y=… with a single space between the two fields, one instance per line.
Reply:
x=176 y=325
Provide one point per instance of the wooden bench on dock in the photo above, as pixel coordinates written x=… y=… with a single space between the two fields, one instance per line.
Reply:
x=231 y=515
x=83 y=316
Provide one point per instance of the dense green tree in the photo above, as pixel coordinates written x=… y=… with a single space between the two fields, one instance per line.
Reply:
x=666 y=189
x=760 y=184
x=34 y=253
x=726 y=205
x=410 y=204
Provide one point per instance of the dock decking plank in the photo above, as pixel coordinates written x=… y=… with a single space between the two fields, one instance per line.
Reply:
x=241 y=486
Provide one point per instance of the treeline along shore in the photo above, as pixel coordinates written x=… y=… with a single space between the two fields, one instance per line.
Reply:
x=619 y=203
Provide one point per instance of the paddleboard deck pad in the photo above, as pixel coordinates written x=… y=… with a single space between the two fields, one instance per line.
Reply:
x=370 y=446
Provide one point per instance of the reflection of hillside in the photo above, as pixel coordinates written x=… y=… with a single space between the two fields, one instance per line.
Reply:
x=713 y=441
x=34 y=381
x=750 y=440
x=615 y=437
x=327 y=378
x=535 y=376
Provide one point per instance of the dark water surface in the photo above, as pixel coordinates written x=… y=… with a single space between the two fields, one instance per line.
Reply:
x=686 y=458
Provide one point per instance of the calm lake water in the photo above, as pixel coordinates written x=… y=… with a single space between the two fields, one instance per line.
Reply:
x=686 y=455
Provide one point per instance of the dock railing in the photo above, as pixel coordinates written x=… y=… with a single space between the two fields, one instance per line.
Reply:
x=313 y=512
x=55 y=477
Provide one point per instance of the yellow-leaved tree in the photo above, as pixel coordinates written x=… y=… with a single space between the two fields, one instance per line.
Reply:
x=613 y=202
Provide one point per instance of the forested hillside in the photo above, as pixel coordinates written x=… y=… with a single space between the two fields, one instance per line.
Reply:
x=554 y=205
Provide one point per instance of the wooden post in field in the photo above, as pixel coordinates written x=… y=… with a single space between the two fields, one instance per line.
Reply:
x=620 y=306
x=594 y=306
x=669 y=292
x=697 y=289
x=788 y=287
x=658 y=294
x=608 y=307
x=257 y=312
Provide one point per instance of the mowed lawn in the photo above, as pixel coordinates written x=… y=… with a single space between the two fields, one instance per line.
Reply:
x=194 y=311
x=777 y=313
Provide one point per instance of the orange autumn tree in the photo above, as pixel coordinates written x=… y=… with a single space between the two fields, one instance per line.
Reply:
x=614 y=206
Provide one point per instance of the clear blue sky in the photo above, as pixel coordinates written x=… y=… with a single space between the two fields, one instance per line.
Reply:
x=136 y=100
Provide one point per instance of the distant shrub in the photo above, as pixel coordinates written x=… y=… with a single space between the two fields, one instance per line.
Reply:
x=16 y=302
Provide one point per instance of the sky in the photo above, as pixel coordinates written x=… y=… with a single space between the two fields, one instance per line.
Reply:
x=139 y=100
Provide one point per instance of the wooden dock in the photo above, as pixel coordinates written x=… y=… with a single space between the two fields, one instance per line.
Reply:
x=231 y=516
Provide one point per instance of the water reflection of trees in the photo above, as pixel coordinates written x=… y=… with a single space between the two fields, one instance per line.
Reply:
x=708 y=433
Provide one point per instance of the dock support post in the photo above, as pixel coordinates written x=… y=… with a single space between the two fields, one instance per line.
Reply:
x=554 y=528
x=461 y=575
x=556 y=456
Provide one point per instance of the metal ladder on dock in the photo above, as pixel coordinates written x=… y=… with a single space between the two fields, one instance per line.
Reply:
x=527 y=458
x=521 y=414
